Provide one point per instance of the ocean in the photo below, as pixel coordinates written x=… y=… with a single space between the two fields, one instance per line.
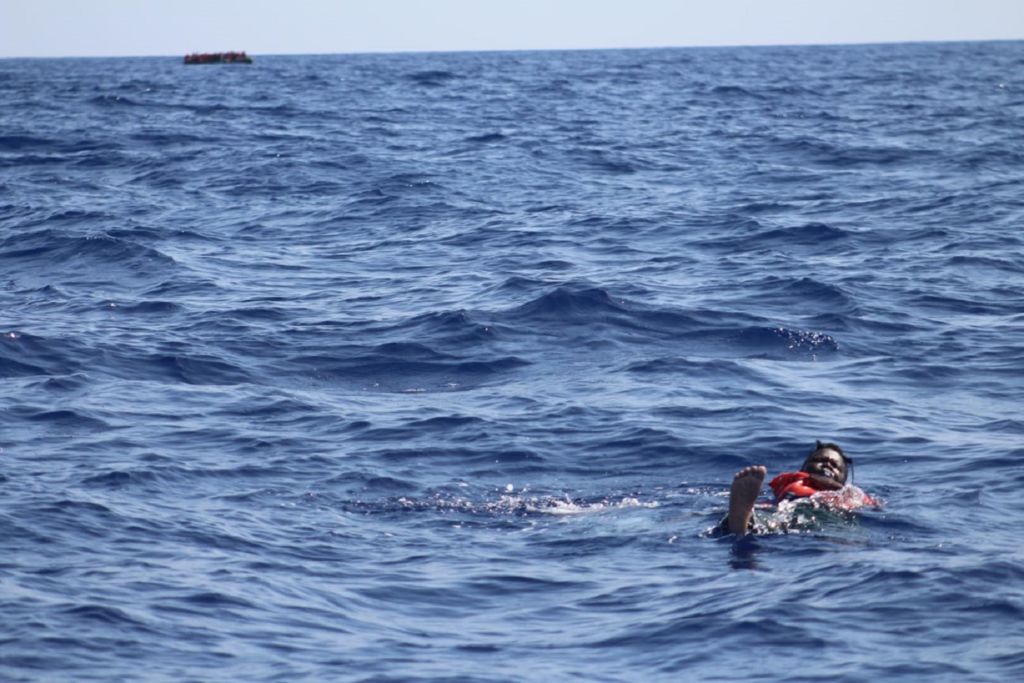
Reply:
x=437 y=367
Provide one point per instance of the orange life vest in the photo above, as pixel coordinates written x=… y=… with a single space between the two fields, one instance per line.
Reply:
x=790 y=485
x=793 y=485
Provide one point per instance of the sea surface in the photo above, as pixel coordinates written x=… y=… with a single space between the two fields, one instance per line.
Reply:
x=437 y=367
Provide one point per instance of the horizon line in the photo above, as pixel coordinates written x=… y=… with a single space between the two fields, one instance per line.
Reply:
x=539 y=49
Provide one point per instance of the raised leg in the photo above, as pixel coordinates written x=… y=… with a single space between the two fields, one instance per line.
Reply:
x=746 y=486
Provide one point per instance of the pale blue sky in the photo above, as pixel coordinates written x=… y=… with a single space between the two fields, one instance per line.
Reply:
x=173 y=27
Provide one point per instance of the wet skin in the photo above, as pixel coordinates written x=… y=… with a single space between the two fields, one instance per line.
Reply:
x=827 y=467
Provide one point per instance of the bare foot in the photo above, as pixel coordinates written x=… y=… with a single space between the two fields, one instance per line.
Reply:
x=746 y=486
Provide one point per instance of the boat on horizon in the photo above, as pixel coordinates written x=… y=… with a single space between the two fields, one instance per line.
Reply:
x=218 y=58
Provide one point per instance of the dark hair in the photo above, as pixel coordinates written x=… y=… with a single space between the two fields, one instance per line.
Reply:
x=847 y=460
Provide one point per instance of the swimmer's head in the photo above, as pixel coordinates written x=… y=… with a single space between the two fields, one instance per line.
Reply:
x=828 y=460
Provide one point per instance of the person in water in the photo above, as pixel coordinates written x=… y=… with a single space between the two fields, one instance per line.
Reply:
x=827 y=468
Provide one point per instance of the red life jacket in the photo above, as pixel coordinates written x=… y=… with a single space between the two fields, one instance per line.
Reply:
x=793 y=485
x=801 y=485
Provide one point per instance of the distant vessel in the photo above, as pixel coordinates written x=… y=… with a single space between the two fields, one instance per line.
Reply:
x=218 y=58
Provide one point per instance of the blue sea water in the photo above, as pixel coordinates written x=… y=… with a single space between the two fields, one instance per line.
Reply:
x=436 y=367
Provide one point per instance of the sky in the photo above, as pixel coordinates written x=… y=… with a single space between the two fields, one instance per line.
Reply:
x=54 y=28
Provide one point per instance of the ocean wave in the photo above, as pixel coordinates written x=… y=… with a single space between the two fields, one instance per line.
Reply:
x=817 y=236
x=431 y=77
x=67 y=419
x=114 y=101
x=733 y=91
x=824 y=153
x=16 y=143
x=103 y=614
x=405 y=367
x=486 y=138
x=607 y=161
x=814 y=295
x=25 y=354
x=569 y=302
x=155 y=366
x=573 y=309
x=99 y=250
x=148 y=308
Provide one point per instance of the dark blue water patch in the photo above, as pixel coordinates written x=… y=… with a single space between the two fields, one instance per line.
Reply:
x=732 y=91
x=198 y=369
x=161 y=308
x=812 y=236
x=671 y=370
x=180 y=285
x=605 y=161
x=259 y=314
x=372 y=485
x=79 y=523
x=14 y=368
x=456 y=329
x=814 y=294
x=95 y=256
x=1007 y=263
x=830 y=155
x=270 y=408
x=164 y=479
x=834 y=322
x=581 y=303
x=40 y=150
x=486 y=138
x=114 y=101
x=214 y=600
x=636 y=446
x=574 y=308
x=404 y=367
x=497 y=585
x=24 y=354
x=117 y=479
x=935 y=373
x=158 y=179
x=447 y=425
x=555 y=265
x=959 y=304
x=431 y=77
x=67 y=419
x=462 y=457
x=61 y=217
x=10 y=143
x=146 y=234
x=564 y=303
x=101 y=614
